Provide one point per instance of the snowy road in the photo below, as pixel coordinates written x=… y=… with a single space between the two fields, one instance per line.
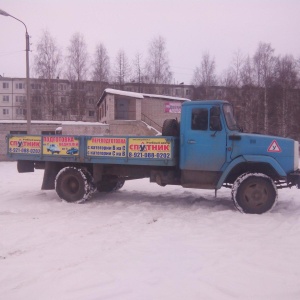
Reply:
x=144 y=242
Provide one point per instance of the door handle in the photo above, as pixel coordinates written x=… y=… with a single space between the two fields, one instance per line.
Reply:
x=191 y=142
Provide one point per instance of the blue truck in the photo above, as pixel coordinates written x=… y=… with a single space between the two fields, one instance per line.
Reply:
x=205 y=150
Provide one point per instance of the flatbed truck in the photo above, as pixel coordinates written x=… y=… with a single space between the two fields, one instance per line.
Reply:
x=205 y=150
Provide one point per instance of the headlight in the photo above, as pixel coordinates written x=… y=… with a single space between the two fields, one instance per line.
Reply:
x=296 y=155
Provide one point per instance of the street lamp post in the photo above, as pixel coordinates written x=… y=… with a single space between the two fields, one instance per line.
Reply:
x=3 y=13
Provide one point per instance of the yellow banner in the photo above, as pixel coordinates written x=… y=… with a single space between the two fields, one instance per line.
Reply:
x=24 y=144
x=154 y=148
x=106 y=147
x=60 y=145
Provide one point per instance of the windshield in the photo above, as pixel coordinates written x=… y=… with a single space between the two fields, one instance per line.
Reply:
x=230 y=120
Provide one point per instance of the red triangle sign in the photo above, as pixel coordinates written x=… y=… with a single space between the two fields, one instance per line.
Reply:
x=274 y=147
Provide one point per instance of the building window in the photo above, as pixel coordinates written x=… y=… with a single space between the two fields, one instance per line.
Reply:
x=37 y=99
x=20 y=86
x=17 y=132
x=5 y=85
x=91 y=113
x=5 y=111
x=36 y=86
x=20 y=111
x=91 y=101
x=62 y=87
x=5 y=98
x=48 y=132
x=187 y=92
x=20 y=99
x=63 y=100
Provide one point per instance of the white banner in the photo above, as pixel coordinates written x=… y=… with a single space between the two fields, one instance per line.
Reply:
x=173 y=107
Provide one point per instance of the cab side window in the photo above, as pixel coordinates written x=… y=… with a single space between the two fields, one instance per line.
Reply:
x=214 y=120
x=199 y=119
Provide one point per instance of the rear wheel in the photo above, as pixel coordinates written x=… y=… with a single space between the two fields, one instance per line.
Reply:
x=74 y=185
x=254 y=193
x=170 y=128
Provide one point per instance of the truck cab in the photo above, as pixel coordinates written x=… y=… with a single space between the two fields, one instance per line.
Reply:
x=214 y=152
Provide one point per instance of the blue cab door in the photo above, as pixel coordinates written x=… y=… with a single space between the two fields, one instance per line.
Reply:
x=203 y=141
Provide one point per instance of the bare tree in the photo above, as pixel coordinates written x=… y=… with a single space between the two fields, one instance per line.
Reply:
x=138 y=72
x=47 y=65
x=77 y=58
x=298 y=72
x=101 y=64
x=101 y=68
x=286 y=78
x=264 y=67
x=48 y=58
x=121 y=68
x=249 y=96
x=205 y=75
x=157 y=65
x=286 y=71
x=236 y=67
x=77 y=68
x=247 y=72
x=227 y=78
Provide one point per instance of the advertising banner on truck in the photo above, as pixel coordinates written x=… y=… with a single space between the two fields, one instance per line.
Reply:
x=60 y=145
x=154 y=148
x=24 y=144
x=106 y=147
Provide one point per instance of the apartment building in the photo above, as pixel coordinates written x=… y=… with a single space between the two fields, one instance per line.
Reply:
x=12 y=98
x=62 y=100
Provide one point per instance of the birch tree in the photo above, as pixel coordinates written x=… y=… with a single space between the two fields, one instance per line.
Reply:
x=101 y=68
x=122 y=68
x=77 y=69
x=204 y=75
x=264 y=67
x=48 y=66
x=157 y=65
x=77 y=58
x=286 y=78
x=138 y=72
x=48 y=57
x=101 y=64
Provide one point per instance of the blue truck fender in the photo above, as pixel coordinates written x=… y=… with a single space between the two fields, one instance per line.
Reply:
x=251 y=158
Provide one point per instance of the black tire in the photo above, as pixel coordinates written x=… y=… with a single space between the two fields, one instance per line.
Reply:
x=74 y=185
x=254 y=193
x=110 y=186
x=170 y=128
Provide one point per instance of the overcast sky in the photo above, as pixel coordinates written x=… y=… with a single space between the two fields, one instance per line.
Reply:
x=190 y=27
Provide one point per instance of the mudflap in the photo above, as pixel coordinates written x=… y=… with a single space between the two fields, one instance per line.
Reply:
x=51 y=170
x=25 y=166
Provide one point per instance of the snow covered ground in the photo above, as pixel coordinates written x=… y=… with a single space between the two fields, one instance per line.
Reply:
x=144 y=242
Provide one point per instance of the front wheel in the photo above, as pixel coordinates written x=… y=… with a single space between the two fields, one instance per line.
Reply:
x=254 y=193
x=74 y=185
